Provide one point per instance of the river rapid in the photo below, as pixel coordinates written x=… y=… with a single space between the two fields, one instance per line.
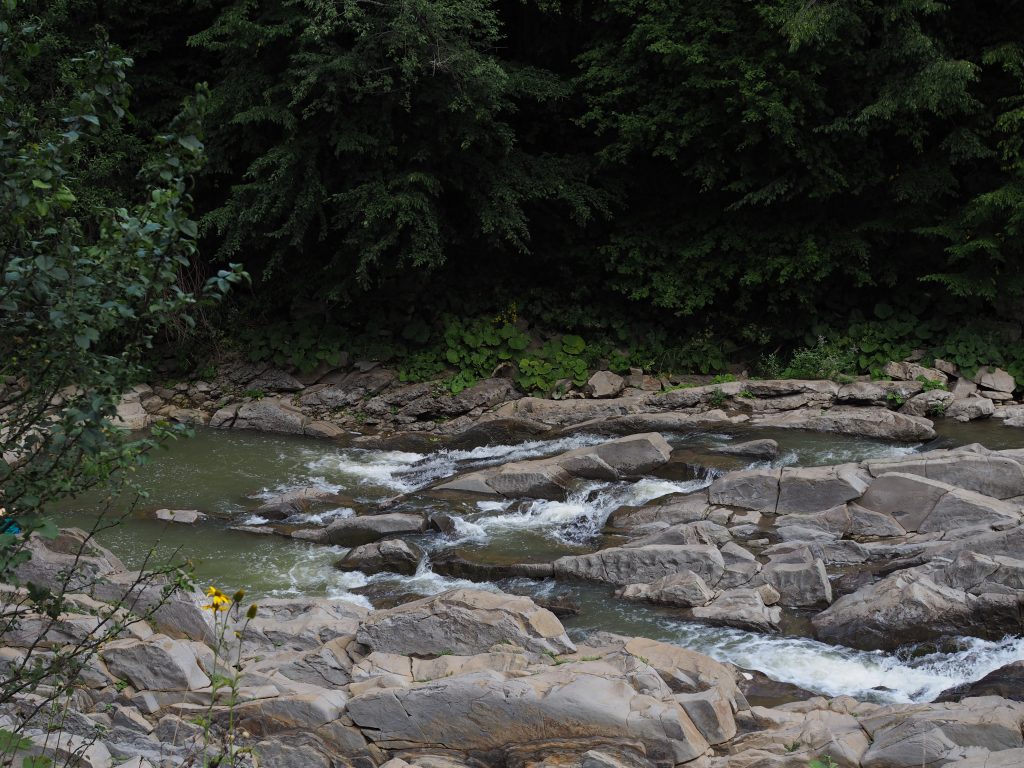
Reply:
x=227 y=475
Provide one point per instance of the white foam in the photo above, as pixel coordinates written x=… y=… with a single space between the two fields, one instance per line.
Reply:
x=837 y=670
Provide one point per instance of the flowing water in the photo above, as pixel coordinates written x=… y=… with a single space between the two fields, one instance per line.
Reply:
x=228 y=474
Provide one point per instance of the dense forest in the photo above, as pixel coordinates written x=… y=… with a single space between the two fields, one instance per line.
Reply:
x=675 y=185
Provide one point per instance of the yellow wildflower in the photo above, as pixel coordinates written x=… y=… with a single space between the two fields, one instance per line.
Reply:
x=218 y=600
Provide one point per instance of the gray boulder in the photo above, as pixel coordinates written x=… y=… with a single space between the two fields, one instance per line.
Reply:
x=158 y=663
x=464 y=621
x=995 y=379
x=364 y=529
x=605 y=384
x=800 y=580
x=634 y=565
x=618 y=698
x=852 y=420
x=684 y=589
x=755 y=449
x=390 y=556
x=970 y=408
x=750 y=489
x=990 y=474
x=743 y=608
x=810 y=489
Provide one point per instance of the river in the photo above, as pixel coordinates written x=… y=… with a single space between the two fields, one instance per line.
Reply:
x=226 y=475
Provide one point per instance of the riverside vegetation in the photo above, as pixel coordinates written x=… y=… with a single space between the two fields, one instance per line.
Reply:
x=537 y=247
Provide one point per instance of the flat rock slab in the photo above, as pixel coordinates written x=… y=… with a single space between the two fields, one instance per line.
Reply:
x=465 y=621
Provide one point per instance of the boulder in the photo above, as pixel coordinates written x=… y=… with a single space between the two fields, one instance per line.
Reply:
x=684 y=589
x=742 y=608
x=604 y=384
x=990 y=473
x=932 y=403
x=852 y=420
x=635 y=565
x=920 y=504
x=970 y=408
x=1006 y=682
x=800 y=580
x=755 y=449
x=271 y=414
x=464 y=621
x=810 y=489
x=938 y=734
x=364 y=529
x=912 y=606
x=913 y=372
x=620 y=698
x=159 y=663
x=995 y=379
x=665 y=511
x=878 y=392
x=711 y=712
x=72 y=553
x=529 y=479
x=391 y=556
x=750 y=489
x=301 y=624
x=185 y=516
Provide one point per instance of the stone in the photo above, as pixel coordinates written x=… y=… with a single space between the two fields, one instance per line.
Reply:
x=634 y=565
x=270 y=414
x=989 y=474
x=665 y=511
x=530 y=479
x=388 y=556
x=579 y=701
x=911 y=606
x=878 y=392
x=742 y=608
x=937 y=734
x=853 y=420
x=74 y=552
x=913 y=372
x=159 y=663
x=365 y=529
x=64 y=748
x=711 y=712
x=185 y=516
x=810 y=489
x=801 y=584
x=756 y=449
x=464 y=621
x=932 y=403
x=604 y=384
x=749 y=489
x=684 y=589
x=1006 y=682
x=131 y=416
x=920 y=504
x=303 y=623
x=970 y=408
x=963 y=389
x=996 y=379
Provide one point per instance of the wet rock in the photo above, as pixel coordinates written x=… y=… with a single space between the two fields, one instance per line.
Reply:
x=604 y=384
x=634 y=565
x=666 y=511
x=684 y=589
x=970 y=408
x=390 y=556
x=528 y=479
x=761 y=691
x=851 y=420
x=365 y=529
x=1007 y=682
x=159 y=663
x=456 y=566
x=270 y=414
x=755 y=449
x=912 y=606
x=742 y=608
x=185 y=516
x=72 y=552
x=497 y=432
x=700 y=532
x=711 y=712
x=464 y=621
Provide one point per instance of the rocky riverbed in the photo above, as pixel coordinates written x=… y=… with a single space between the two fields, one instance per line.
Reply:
x=630 y=578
